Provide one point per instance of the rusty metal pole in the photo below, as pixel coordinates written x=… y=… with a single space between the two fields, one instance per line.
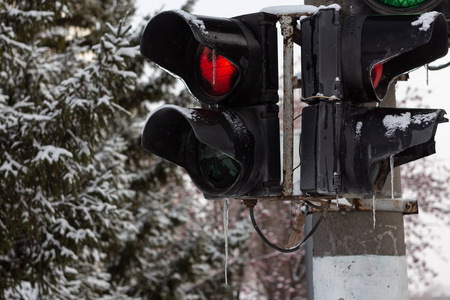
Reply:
x=351 y=258
x=287 y=31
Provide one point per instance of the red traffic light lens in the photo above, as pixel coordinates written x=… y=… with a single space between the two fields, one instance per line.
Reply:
x=375 y=74
x=217 y=74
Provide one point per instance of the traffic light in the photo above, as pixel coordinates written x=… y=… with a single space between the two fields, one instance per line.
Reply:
x=347 y=62
x=230 y=146
x=347 y=149
x=355 y=58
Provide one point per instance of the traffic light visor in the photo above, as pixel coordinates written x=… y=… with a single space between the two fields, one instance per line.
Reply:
x=386 y=47
x=214 y=147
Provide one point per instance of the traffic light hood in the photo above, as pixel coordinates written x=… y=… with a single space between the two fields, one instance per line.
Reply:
x=171 y=37
x=175 y=39
x=222 y=151
x=397 y=44
x=355 y=58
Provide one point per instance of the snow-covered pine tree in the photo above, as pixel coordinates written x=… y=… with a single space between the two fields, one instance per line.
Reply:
x=84 y=211
x=63 y=180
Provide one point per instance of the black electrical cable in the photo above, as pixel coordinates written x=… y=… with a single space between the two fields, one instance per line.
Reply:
x=295 y=248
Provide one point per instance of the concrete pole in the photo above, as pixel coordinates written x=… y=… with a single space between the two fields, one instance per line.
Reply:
x=347 y=258
x=351 y=260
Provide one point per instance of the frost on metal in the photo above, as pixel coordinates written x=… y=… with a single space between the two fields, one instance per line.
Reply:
x=392 y=123
x=297 y=9
x=424 y=118
x=236 y=123
x=193 y=20
x=425 y=20
x=358 y=130
x=290 y=9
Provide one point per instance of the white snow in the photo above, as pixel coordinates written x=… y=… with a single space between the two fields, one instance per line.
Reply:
x=15 y=43
x=51 y=154
x=70 y=270
x=425 y=20
x=424 y=118
x=24 y=289
x=128 y=51
x=358 y=130
x=193 y=20
x=11 y=166
x=36 y=14
x=297 y=9
x=290 y=9
x=392 y=123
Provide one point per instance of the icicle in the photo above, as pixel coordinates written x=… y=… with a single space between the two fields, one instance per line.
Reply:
x=214 y=68
x=392 y=175
x=225 y=232
x=337 y=200
x=373 y=212
x=426 y=68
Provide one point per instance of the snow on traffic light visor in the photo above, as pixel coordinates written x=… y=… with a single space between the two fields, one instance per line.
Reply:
x=385 y=47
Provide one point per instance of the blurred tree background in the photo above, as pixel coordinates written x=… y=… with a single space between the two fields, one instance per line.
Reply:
x=84 y=211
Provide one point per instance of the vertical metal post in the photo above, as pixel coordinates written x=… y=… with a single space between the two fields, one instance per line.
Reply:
x=287 y=31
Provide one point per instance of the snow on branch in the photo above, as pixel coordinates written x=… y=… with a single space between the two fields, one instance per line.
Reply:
x=51 y=154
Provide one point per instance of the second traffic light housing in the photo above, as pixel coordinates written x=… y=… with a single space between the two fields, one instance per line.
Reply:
x=355 y=58
x=347 y=150
x=348 y=61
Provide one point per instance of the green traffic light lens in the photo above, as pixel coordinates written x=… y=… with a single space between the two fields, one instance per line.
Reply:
x=403 y=3
x=217 y=168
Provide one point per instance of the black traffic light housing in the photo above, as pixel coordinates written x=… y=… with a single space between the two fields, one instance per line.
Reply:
x=227 y=153
x=230 y=147
x=347 y=62
x=174 y=39
x=346 y=149
x=355 y=58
